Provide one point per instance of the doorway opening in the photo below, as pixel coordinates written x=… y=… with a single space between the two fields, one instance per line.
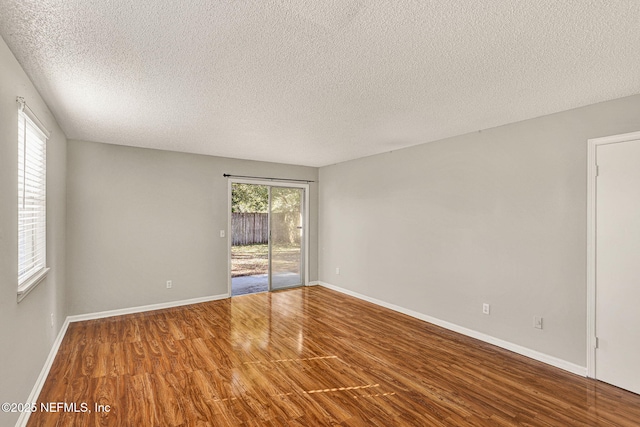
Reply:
x=267 y=242
x=249 y=238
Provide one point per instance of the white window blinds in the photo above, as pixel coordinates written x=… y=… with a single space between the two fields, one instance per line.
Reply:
x=32 y=194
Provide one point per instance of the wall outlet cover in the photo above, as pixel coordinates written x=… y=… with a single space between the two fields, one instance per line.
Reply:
x=537 y=322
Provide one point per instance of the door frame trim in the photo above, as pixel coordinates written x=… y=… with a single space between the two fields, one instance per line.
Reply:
x=305 y=234
x=592 y=145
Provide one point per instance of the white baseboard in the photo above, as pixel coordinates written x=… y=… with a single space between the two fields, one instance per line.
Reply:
x=37 y=388
x=313 y=283
x=143 y=308
x=533 y=354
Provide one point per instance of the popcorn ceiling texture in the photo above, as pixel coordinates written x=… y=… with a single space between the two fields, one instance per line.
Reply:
x=312 y=82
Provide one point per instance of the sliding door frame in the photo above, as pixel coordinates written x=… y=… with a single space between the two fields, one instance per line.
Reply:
x=305 y=226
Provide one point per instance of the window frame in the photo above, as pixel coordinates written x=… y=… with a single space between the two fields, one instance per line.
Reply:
x=32 y=167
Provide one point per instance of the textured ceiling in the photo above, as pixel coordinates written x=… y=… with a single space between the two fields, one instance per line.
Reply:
x=311 y=82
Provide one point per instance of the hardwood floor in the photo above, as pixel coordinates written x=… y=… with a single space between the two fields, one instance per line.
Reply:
x=308 y=357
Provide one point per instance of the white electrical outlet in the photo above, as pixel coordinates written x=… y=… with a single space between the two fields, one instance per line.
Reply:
x=337 y=270
x=52 y=320
x=221 y=233
x=169 y=284
x=486 y=308
x=537 y=322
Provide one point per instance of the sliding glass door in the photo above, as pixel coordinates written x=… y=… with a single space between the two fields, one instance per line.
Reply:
x=267 y=247
x=286 y=237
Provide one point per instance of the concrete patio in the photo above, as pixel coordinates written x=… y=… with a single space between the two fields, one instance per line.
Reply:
x=244 y=285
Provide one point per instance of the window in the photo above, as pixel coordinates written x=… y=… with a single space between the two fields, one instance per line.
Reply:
x=32 y=203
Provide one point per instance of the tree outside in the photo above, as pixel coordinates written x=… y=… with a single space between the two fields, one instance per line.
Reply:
x=249 y=198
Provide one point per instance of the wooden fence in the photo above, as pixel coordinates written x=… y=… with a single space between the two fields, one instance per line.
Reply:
x=249 y=228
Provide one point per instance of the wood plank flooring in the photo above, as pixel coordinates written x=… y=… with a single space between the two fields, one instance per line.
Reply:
x=308 y=357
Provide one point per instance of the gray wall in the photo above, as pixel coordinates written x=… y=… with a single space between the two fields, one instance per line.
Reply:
x=139 y=217
x=497 y=216
x=26 y=334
